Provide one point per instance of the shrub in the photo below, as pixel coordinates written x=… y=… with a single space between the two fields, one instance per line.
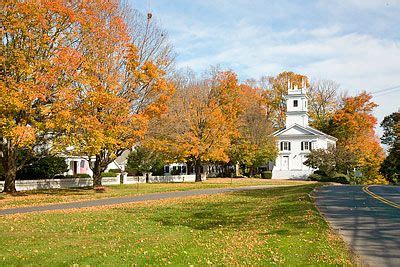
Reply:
x=257 y=176
x=175 y=172
x=109 y=174
x=115 y=170
x=266 y=175
x=321 y=173
x=44 y=168
x=315 y=177
x=340 y=178
x=336 y=178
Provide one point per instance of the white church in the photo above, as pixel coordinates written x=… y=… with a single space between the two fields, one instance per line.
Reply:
x=296 y=139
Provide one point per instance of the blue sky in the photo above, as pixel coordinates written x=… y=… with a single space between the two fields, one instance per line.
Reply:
x=353 y=42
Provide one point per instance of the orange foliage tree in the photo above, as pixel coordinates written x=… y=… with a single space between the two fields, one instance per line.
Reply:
x=72 y=75
x=117 y=93
x=37 y=54
x=200 y=121
x=353 y=124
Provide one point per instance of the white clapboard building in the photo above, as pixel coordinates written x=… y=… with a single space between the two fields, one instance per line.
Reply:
x=296 y=139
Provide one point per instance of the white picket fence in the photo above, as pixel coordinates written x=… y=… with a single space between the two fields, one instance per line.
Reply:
x=22 y=185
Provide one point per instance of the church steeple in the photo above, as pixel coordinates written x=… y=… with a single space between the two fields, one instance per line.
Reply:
x=296 y=105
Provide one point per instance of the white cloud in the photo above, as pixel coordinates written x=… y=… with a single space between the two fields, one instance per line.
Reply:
x=349 y=41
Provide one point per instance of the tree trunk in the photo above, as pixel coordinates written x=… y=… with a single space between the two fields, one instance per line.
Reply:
x=9 y=162
x=197 y=169
x=97 y=172
x=251 y=174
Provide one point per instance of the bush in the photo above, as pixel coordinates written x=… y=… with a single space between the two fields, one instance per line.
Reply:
x=336 y=178
x=340 y=178
x=258 y=176
x=266 y=175
x=109 y=174
x=175 y=172
x=44 y=168
x=321 y=173
x=78 y=175
x=315 y=177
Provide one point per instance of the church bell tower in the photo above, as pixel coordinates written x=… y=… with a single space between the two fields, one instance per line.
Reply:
x=296 y=105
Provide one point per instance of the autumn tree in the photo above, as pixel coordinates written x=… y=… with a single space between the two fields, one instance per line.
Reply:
x=276 y=89
x=118 y=93
x=323 y=102
x=74 y=74
x=353 y=124
x=390 y=167
x=200 y=121
x=254 y=145
x=150 y=39
x=37 y=52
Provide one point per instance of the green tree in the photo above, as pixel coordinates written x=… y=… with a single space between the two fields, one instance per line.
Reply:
x=332 y=161
x=390 y=167
x=43 y=168
x=142 y=160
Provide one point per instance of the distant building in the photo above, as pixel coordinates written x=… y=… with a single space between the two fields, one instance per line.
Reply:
x=296 y=139
x=80 y=164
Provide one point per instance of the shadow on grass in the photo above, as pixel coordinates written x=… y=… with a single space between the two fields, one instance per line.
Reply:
x=284 y=205
x=54 y=192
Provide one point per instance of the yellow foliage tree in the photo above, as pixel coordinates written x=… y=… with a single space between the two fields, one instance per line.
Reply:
x=254 y=145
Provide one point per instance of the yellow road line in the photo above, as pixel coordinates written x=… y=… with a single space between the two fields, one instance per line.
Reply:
x=378 y=197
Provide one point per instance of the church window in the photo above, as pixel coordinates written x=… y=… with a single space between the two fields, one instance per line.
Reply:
x=305 y=145
x=166 y=169
x=295 y=103
x=285 y=146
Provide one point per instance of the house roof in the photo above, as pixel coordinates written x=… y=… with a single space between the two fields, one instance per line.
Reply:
x=306 y=129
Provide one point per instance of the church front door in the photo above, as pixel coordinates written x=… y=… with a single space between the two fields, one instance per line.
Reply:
x=285 y=163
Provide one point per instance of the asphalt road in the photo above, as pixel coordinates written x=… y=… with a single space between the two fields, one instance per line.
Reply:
x=123 y=200
x=369 y=225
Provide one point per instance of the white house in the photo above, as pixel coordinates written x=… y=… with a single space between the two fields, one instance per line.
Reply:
x=80 y=164
x=296 y=139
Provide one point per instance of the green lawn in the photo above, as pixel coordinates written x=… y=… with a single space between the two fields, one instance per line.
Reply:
x=43 y=197
x=260 y=227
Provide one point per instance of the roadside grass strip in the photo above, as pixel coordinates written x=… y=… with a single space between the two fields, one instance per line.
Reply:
x=380 y=198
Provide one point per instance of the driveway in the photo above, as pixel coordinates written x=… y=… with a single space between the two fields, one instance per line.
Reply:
x=368 y=218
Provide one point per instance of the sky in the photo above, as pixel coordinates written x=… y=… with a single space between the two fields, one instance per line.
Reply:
x=353 y=42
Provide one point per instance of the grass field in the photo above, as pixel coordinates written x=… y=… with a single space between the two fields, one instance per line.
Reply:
x=260 y=227
x=43 y=197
